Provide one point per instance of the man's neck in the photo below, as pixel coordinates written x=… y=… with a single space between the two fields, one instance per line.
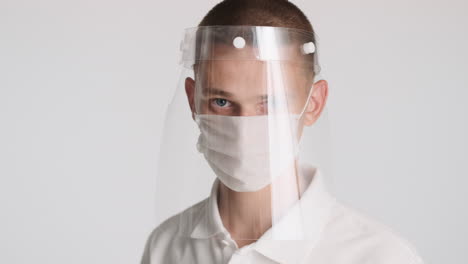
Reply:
x=248 y=215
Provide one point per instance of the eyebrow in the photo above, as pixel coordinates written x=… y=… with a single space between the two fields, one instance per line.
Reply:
x=216 y=91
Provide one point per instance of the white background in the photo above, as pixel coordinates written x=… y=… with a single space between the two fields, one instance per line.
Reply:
x=84 y=86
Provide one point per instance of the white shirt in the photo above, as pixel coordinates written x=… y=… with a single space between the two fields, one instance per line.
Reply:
x=335 y=234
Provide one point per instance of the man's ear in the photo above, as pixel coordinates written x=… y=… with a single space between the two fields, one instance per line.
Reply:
x=190 y=91
x=317 y=102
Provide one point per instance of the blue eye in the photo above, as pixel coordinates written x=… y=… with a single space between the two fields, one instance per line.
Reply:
x=221 y=102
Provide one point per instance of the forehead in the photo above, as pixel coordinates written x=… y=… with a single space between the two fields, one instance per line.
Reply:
x=242 y=66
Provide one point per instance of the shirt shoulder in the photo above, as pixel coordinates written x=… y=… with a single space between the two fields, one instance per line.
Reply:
x=167 y=234
x=366 y=240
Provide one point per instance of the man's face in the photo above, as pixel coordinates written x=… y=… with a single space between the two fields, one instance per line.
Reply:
x=253 y=87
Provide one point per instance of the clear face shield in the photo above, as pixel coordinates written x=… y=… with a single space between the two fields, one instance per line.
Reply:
x=246 y=127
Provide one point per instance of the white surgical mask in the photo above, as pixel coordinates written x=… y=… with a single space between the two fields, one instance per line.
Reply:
x=246 y=152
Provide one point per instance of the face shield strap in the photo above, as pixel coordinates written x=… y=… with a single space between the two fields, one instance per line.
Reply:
x=269 y=43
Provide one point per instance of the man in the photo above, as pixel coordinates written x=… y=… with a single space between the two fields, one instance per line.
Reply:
x=254 y=91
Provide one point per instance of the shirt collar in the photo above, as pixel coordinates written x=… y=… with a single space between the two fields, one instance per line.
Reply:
x=292 y=237
x=309 y=217
x=209 y=223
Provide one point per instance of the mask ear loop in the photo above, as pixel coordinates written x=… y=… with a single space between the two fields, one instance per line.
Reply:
x=195 y=112
x=317 y=77
x=307 y=102
x=309 y=95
